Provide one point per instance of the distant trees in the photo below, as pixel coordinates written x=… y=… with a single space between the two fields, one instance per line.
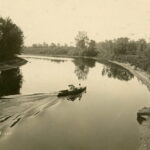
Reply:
x=141 y=46
x=123 y=46
x=91 y=49
x=81 y=42
x=84 y=46
x=147 y=51
x=50 y=49
x=136 y=53
x=11 y=39
x=40 y=45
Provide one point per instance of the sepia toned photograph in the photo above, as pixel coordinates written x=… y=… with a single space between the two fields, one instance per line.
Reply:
x=74 y=74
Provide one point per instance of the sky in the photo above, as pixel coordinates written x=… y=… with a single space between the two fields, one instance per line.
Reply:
x=59 y=21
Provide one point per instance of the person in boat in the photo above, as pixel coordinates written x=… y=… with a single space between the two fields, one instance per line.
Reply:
x=71 y=87
x=80 y=86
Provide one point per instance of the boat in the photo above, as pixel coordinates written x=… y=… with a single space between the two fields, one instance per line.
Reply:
x=71 y=92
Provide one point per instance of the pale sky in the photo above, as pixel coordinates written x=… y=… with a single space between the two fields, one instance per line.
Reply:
x=60 y=20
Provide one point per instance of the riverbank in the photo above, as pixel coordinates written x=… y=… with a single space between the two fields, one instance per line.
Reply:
x=13 y=63
x=49 y=79
x=141 y=75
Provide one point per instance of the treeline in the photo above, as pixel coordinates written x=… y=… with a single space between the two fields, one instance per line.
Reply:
x=137 y=53
x=11 y=39
x=124 y=46
x=52 y=49
x=122 y=49
x=84 y=47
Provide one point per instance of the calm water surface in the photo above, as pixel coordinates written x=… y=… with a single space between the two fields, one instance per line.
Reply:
x=103 y=119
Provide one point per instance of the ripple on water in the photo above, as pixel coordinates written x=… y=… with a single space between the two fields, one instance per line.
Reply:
x=17 y=108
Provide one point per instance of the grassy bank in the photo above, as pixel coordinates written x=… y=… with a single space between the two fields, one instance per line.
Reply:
x=12 y=63
x=141 y=62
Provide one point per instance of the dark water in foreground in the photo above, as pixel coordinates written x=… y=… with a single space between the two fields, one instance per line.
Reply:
x=103 y=119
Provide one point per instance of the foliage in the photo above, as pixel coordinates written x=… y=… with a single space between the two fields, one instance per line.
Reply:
x=121 y=49
x=91 y=49
x=11 y=39
x=81 y=42
x=51 y=49
x=84 y=46
x=122 y=46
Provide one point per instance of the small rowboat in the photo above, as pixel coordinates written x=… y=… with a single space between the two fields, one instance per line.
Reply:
x=72 y=92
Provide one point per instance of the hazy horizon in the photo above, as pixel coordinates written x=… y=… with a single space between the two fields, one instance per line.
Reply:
x=59 y=21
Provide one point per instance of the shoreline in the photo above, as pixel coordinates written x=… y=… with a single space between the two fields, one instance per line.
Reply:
x=141 y=75
x=14 y=63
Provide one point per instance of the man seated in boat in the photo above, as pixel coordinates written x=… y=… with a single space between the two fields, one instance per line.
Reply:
x=71 y=87
x=80 y=86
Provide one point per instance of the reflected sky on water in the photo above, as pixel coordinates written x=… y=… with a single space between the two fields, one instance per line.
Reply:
x=102 y=118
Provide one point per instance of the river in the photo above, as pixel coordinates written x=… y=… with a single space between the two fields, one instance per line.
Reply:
x=32 y=117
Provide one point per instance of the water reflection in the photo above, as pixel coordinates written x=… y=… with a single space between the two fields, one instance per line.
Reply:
x=74 y=97
x=82 y=66
x=117 y=72
x=10 y=82
x=143 y=118
x=58 y=61
x=103 y=119
x=14 y=109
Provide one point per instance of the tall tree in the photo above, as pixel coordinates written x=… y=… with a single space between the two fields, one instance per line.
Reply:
x=141 y=46
x=121 y=46
x=11 y=39
x=81 y=42
x=91 y=50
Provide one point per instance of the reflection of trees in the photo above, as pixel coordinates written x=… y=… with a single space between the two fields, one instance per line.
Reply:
x=117 y=72
x=74 y=97
x=10 y=82
x=81 y=72
x=57 y=60
x=82 y=67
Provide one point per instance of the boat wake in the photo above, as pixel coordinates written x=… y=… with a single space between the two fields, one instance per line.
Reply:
x=13 y=109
